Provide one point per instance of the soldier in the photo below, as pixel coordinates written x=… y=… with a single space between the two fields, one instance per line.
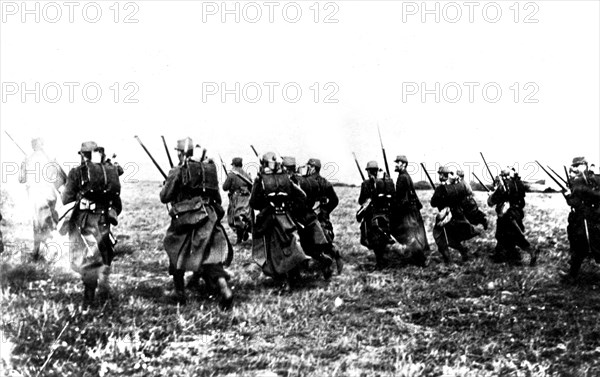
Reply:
x=43 y=177
x=584 y=219
x=509 y=199
x=470 y=207
x=451 y=227
x=1 y=240
x=196 y=241
x=324 y=199
x=376 y=198
x=95 y=189
x=312 y=237
x=239 y=186
x=407 y=222
x=276 y=248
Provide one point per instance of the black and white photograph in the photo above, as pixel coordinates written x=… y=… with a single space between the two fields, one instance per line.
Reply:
x=346 y=188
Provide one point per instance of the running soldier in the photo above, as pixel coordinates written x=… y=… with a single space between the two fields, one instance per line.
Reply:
x=42 y=177
x=312 y=237
x=584 y=219
x=275 y=242
x=509 y=199
x=239 y=186
x=95 y=189
x=196 y=241
x=470 y=207
x=451 y=227
x=324 y=200
x=376 y=198
x=407 y=222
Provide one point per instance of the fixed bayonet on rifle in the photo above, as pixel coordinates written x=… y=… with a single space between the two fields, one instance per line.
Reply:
x=387 y=168
x=223 y=165
x=13 y=140
x=481 y=183
x=362 y=175
x=428 y=176
x=152 y=158
x=552 y=177
x=254 y=150
x=500 y=179
x=167 y=150
x=558 y=175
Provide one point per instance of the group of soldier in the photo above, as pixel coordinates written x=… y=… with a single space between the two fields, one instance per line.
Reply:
x=292 y=230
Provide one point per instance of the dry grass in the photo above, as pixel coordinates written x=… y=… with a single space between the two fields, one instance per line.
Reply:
x=477 y=319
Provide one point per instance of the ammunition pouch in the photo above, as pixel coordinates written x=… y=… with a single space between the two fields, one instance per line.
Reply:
x=190 y=211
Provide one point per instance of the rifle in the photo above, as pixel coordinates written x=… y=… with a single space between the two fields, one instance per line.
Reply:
x=568 y=178
x=362 y=175
x=167 y=150
x=254 y=150
x=552 y=177
x=558 y=175
x=481 y=183
x=387 y=168
x=152 y=158
x=223 y=165
x=491 y=175
x=428 y=176
x=13 y=140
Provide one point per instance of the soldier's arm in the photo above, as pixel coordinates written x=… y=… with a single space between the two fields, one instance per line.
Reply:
x=169 y=190
x=438 y=199
x=332 y=198
x=402 y=190
x=69 y=194
x=364 y=192
x=228 y=182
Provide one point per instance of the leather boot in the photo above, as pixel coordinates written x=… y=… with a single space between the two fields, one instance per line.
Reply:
x=104 y=292
x=178 y=296
x=89 y=293
x=226 y=294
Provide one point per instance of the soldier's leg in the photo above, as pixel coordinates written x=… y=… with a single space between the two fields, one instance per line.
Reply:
x=178 y=296
x=441 y=240
x=217 y=279
x=37 y=242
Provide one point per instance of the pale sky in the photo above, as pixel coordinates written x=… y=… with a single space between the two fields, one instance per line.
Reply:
x=368 y=56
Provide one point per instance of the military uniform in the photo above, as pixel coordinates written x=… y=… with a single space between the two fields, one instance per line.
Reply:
x=322 y=197
x=312 y=236
x=1 y=239
x=469 y=205
x=275 y=242
x=239 y=186
x=196 y=240
x=407 y=223
x=584 y=219
x=509 y=200
x=95 y=189
x=43 y=176
x=451 y=227
x=376 y=199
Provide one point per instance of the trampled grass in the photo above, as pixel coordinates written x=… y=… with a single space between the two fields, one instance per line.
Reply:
x=474 y=319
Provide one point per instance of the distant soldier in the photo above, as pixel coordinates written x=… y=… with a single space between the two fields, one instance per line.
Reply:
x=376 y=198
x=1 y=240
x=407 y=222
x=451 y=227
x=324 y=200
x=312 y=237
x=196 y=241
x=470 y=207
x=584 y=219
x=43 y=177
x=509 y=200
x=95 y=189
x=276 y=247
x=239 y=186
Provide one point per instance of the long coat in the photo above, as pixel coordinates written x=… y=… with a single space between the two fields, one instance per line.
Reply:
x=406 y=222
x=510 y=230
x=239 y=212
x=458 y=229
x=275 y=242
x=585 y=205
x=91 y=243
x=195 y=236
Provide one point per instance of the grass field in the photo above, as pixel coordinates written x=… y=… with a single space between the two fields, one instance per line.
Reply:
x=476 y=319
